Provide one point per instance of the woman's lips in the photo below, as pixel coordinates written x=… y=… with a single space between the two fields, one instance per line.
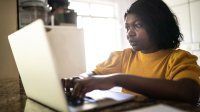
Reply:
x=132 y=43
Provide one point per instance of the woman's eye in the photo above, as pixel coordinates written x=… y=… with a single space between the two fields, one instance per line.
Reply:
x=135 y=26
x=138 y=25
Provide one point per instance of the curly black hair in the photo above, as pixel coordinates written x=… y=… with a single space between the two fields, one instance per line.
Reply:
x=159 y=22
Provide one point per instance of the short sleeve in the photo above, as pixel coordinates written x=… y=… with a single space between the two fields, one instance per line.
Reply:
x=182 y=65
x=111 y=65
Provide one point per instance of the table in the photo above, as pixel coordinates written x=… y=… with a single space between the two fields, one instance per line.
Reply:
x=13 y=99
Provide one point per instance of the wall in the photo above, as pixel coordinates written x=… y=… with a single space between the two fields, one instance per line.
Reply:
x=8 y=24
x=187 y=12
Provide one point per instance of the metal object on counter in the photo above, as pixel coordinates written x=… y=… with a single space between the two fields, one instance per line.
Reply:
x=30 y=10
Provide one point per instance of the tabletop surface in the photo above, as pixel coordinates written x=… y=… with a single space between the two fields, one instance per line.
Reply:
x=13 y=99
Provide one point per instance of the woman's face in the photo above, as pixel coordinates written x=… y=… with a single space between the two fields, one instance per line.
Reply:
x=138 y=36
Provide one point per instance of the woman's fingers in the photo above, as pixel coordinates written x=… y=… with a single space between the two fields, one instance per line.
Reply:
x=77 y=89
x=68 y=84
x=81 y=88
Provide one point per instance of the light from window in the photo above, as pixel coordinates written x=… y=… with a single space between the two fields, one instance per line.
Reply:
x=102 y=10
x=101 y=31
x=81 y=8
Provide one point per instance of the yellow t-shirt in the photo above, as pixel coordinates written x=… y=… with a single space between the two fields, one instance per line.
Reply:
x=163 y=64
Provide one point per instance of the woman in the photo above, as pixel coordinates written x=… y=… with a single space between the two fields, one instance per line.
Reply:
x=153 y=67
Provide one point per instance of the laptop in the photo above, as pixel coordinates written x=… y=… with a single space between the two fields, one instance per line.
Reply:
x=39 y=72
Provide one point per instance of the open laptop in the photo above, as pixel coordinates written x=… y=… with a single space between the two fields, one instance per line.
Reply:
x=39 y=72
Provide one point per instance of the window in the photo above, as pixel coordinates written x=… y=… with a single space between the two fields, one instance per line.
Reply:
x=101 y=30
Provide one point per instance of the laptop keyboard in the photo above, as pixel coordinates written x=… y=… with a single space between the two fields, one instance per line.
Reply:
x=74 y=101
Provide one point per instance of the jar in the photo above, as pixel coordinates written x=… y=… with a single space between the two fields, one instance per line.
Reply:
x=30 y=10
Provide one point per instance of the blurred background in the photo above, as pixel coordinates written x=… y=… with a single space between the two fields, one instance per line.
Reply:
x=101 y=21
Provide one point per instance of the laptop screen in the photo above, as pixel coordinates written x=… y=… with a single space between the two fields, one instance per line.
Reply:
x=36 y=65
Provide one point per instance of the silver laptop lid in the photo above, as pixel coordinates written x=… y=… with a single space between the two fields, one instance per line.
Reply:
x=35 y=63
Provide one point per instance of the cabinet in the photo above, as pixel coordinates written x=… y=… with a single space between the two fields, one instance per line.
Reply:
x=183 y=16
x=195 y=25
x=8 y=21
x=195 y=17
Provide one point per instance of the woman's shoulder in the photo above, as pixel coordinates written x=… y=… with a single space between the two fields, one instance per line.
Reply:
x=124 y=51
x=128 y=50
x=121 y=53
x=180 y=54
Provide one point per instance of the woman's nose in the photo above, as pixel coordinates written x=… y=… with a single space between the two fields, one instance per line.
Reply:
x=131 y=32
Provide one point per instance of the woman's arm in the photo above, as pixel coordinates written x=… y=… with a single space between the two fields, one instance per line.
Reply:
x=182 y=90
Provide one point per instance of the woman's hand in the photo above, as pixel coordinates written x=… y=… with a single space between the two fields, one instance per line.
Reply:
x=68 y=84
x=82 y=86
